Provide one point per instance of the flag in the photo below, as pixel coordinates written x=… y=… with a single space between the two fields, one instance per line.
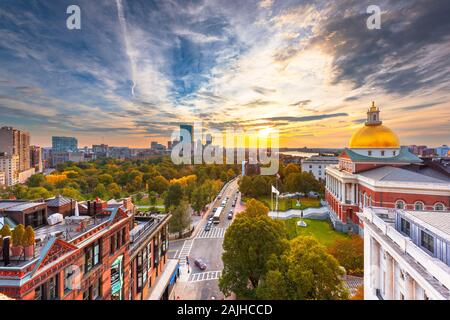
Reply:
x=274 y=190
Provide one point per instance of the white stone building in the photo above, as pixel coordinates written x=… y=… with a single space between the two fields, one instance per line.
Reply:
x=317 y=164
x=10 y=166
x=406 y=254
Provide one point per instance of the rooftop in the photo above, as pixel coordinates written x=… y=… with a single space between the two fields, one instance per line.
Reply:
x=321 y=158
x=14 y=205
x=58 y=201
x=395 y=174
x=404 y=156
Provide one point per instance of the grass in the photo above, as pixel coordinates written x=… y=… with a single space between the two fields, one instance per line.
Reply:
x=319 y=229
x=146 y=202
x=286 y=204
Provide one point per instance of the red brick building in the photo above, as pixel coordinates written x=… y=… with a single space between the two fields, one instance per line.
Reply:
x=376 y=171
x=90 y=257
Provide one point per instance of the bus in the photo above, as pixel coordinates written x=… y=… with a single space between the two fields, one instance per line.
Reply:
x=217 y=214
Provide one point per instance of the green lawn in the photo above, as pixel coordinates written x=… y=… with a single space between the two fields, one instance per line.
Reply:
x=320 y=229
x=286 y=204
x=146 y=202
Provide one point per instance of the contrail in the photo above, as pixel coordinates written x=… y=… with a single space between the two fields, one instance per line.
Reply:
x=128 y=49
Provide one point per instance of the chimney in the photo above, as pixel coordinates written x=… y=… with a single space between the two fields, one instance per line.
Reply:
x=6 y=241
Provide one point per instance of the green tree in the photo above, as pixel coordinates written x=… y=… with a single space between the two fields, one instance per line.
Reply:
x=114 y=190
x=4 y=232
x=174 y=195
x=305 y=271
x=36 y=180
x=100 y=191
x=249 y=242
x=181 y=218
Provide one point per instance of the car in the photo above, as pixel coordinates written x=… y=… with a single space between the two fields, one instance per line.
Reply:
x=230 y=216
x=214 y=210
x=200 y=264
x=211 y=219
x=234 y=204
x=219 y=197
x=208 y=226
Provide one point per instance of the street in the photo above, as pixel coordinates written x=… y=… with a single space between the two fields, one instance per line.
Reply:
x=193 y=283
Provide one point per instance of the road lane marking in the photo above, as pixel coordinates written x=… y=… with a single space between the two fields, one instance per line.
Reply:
x=185 y=251
x=205 y=276
x=213 y=233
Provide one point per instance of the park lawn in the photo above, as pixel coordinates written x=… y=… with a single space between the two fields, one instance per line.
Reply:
x=286 y=204
x=146 y=202
x=319 y=229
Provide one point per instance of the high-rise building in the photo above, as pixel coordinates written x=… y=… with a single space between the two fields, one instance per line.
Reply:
x=183 y=134
x=36 y=158
x=16 y=142
x=64 y=144
x=9 y=165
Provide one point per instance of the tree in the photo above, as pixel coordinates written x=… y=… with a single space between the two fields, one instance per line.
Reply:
x=291 y=168
x=4 y=232
x=159 y=184
x=36 y=180
x=17 y=235
x=305 y=271
x=350 y=254
x=249 y=242
x=100 y=191
x=181 y=218
x=174 y=195
x=28 y=237
x=359 y=295
x=230 y=174
x=114 y=190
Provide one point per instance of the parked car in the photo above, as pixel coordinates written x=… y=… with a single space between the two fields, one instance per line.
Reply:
x=200 y=264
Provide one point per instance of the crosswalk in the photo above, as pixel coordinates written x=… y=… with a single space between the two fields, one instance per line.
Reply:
x=213 y=233
x=184 y=252
x=205 y=276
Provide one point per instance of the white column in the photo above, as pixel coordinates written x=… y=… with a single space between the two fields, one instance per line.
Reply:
x=409 y=288
x=344 y=196
x=389 y=277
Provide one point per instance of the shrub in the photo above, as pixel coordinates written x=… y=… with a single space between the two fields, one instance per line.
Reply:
x=4 y=232
x=17 y=235
x=28 y=237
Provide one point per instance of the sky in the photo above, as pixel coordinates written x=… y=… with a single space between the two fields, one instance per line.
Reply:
x=310 y=69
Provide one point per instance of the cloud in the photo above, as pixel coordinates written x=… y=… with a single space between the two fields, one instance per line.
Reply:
x=308 y=118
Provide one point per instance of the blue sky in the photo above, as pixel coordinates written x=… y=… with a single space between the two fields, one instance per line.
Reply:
x=137 y=69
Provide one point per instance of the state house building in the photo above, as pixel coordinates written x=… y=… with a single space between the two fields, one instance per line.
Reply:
x=375 y=171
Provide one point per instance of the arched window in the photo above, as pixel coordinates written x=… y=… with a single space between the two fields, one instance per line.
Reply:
x=439 y=207
x=419 y=206
x=400 y=204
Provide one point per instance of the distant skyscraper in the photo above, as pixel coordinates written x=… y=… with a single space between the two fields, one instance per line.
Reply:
x=36 y=158
x=16 y=142
x=189 y=129
x=64 y=144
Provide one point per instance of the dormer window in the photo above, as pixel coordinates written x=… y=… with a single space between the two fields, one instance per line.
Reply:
x=427 y=241
x=419 y=206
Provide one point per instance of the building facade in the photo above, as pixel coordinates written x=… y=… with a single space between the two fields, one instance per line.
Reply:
x=317 y=165
x=376 y=171
x=16 y=142
x=36 y=160
x=406 y=254
x=10 y=166
x=64 y=144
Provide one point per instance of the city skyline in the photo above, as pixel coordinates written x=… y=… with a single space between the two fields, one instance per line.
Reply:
x=135 y=71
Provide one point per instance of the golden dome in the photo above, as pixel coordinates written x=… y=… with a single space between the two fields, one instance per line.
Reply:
x=378 y=136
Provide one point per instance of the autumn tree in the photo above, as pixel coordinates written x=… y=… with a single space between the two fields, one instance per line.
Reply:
x=305 y=271
x=350 y=254
x=158 y=184
x=248 y=243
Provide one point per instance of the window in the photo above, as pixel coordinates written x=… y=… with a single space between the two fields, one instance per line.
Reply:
x=405 y=226
x=394 y=153
x=427 y=241
x=124 y=236
x=418 y=206
x=96 y=290
x=139 y=272
x=369 y=152
x=310 y=166
x=112 y=244
x=53 y=284
x=400 y=204
x=382 y=153
x=92 y=256
x=439 y=207
x=69 y=274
